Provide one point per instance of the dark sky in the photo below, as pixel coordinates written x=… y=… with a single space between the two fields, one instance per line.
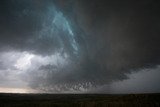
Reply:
x=80 y=45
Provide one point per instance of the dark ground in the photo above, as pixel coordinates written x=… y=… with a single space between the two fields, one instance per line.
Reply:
x=79 y=100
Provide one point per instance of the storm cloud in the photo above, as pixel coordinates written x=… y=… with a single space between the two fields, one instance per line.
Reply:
x=75 y=45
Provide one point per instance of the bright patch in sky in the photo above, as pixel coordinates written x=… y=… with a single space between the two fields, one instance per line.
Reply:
x=16 y=90
x=24 y=62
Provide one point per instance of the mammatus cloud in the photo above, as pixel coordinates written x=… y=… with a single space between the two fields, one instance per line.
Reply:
x=73 y=46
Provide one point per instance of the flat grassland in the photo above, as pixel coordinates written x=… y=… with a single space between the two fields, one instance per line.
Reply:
x=79 y=100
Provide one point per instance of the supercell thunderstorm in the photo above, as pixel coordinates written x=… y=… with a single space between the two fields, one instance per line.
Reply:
x=76 y=45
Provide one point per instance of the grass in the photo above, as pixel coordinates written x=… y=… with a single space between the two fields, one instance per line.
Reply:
x=79 y=100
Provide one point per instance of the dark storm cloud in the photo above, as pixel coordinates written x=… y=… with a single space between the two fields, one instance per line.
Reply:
x=112 y=37
x=120 y=35
x=22 y=24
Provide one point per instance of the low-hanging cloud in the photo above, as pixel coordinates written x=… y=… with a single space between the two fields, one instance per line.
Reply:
x=76 y=45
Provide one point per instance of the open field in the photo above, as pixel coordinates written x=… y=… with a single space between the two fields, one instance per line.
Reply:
x=79 y=100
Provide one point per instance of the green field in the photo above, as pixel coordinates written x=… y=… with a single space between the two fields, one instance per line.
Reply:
x=79 y=100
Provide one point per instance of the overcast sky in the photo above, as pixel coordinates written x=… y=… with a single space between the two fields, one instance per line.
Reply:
x=80 y=46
